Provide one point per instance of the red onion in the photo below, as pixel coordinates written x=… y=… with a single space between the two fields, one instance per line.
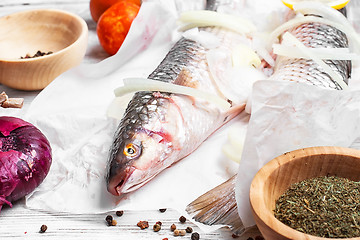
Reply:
x=25 y=158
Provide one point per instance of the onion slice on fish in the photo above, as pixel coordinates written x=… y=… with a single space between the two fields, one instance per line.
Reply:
x=343 y=26
x=329 y=13
x=205 y=18
x=144 y=84
x=288 y=37
x=320 y=9
x=322 y=53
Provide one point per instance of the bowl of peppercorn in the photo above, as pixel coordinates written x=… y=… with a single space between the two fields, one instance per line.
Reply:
x=39 y=45
x=311 y=193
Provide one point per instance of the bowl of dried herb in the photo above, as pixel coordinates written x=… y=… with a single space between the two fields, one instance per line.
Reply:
x=311 y=193
x=38 y=45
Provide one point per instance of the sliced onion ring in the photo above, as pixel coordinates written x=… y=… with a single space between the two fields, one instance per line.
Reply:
x=205 y=18
x=339 y=22
x=322 y=53
x=143 y=84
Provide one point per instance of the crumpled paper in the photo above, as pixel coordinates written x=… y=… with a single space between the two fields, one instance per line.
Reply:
x=287 y=116
x=71 y=112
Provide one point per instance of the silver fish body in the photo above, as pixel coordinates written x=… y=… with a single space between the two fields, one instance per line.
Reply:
x=219 y=206
x=315 y=35
x=160 y=128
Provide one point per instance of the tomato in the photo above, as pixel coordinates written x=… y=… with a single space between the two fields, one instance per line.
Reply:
x=98 y=7
x=114 y=24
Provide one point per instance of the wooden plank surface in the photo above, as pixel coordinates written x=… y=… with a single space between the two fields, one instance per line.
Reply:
x=21 y=223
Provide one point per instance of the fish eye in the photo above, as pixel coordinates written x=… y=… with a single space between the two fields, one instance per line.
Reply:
x=130 y=150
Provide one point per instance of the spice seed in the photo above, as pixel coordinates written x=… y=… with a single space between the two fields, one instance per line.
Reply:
x=176 y=232
x=195 y=236
x=43 y=228
x=119 y=213
x=156 y=227
x=113 y=222
x=182 y=232
x=109 y=219
x=182 y=219
x=162 y=210
x=189 y=229
x=173 y=227
x=143 y=224
x=158 y=222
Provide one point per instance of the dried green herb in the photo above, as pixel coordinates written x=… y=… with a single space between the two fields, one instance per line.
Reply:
x=322 y=206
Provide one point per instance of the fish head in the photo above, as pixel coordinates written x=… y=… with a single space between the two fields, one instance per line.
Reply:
x=138 y=159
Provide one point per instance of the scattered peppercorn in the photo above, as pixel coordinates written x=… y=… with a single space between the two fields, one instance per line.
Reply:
x=158 y=222
x=176 y=232
x=143 y=224
x=113 y=222
x=165 y=239
x=182 y=219
x=195 y=236
x=182 y=232
x=172 y=227
x=109 y=220
x=189 y=229
x=43 y=228
x=259 y=238
x=156 y=227
x=119 y=213
x=162 y=210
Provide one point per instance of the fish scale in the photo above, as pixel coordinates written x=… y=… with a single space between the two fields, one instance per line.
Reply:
x=184 y=54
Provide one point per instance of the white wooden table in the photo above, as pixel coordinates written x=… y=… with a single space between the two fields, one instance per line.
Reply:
x=21 y=223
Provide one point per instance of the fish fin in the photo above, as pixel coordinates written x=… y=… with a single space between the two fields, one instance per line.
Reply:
x=218 y=207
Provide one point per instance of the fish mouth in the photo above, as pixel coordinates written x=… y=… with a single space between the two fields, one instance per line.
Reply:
x=117 y=183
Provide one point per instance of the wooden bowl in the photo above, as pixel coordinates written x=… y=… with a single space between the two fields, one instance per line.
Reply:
x=27 y=32
x=275 y=178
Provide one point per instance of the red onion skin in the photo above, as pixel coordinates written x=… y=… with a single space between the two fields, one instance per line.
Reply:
x=25 y=158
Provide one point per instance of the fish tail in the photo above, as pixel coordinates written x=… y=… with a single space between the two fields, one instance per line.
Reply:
x=218 y=207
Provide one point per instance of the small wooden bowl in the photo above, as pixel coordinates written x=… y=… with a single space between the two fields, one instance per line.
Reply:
x=275 y=178
x=27 y=32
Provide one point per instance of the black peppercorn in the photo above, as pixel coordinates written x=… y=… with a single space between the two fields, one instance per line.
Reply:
x=43 y=228
x=182 y=219
x=195 y=236
x=109 y=220
x=119 y=213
